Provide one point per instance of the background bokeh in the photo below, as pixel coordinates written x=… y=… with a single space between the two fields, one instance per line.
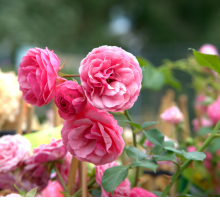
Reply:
x=156 y=30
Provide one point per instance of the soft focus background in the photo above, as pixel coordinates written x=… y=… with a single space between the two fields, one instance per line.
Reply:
x=156 y=30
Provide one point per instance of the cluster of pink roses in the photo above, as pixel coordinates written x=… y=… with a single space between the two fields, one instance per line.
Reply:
x=110 y=81
x=30 y=171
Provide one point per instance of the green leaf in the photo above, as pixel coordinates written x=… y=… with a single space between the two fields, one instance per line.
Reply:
x=152 y=78
x=173 y=150
x=23 y=194
x=113 y=176
x=194 y=155
x=154 y=136
x=132 y=123
x=96 y=192
x=157 y=149
x=135 y=153
x=171 y=80
x=143 y=62
x=146 y=124
x=146 y=163
x=205 y=130
x=32 y=192
x=214 y=145
x=158 y=193
x=167 y=155
x=207 y=60
x=169 y=143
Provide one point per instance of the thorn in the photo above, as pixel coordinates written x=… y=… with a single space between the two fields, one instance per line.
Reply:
x=169 y=182
x=191 y=165
x=74 y=80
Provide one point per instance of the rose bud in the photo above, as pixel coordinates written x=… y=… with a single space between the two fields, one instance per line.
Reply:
x=70 y=99
x=172 y=115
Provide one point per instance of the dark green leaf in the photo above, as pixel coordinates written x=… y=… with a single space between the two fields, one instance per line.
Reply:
x=171 y=80
x=207 y=60
x=155 y=136
x=146 y=163
x=135 y=153
x=96 y=192
x=157 y=149
x=113 y=176
x=146 y=124
x=173 y=150
x=205 y=130
x=132 y=123
x=167 y=155
x=32 y=192
x=194 y=155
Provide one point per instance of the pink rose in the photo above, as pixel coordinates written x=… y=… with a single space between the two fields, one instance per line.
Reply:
x=191 y=148
x=205 y=123
x=13 y=195
x=123 y=190
x=7 y=181
x=53 y=189
x=29 y=179
x=172 y=115
x=37 y=76
x=213 y=111
x=14 y=150
x=140 y=192
x=70 y=99
x=94 y=137
x=111 y=78
x=198 y=103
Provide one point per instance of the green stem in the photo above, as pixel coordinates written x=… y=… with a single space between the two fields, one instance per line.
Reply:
x=135 y=144
x=187 y=163
x=61 y=180
x=90 y=183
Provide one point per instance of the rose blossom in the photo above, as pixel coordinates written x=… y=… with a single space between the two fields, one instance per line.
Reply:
x=14 y=150
x=36 y=171
x=204 y=121
x=7 y=181
x=53 y=189
x=94 y=137
x=70 y=99
x=172 y=115
x=37 y=76
x=123 y=190
x=198 y=103
x=140 y=192
x=111 y=78
x=213 y=111
x=191 y=148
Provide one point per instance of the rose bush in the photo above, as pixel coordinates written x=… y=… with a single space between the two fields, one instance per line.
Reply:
x=94 y=137
x=111 y=78
x=70 y=99
x=37 y=76
x=14 y=150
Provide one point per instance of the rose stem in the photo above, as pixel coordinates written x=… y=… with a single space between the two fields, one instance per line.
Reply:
x=90 y=183
x=126 y=113
x=61 y=179
x=187 y=163
x=71 y=75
